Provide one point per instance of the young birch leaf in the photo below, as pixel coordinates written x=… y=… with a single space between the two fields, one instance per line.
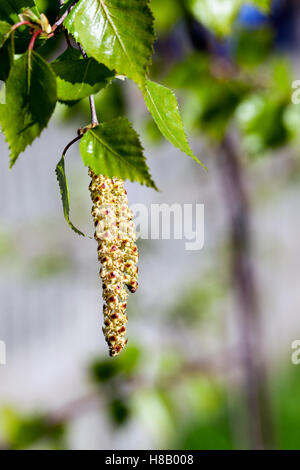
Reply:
x=80 y=78
x=118 y=33
x=4 y=32
x=69 y=54
x=9 y=9
x=113 y=149
x=30 y=102
x=163 y=106
x=64 y=191
x=217 y=15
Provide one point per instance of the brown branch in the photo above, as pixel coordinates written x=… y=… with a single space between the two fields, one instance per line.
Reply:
x=243 y=279
x=74 y=408
x=243 y=275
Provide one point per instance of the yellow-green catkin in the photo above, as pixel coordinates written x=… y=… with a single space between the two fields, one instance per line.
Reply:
x=117 y=252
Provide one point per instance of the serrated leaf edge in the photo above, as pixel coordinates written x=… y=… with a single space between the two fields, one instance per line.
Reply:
x=120 y=157
x=15 y=158
x=190 y=154
x=142 y=82
x=62 y=179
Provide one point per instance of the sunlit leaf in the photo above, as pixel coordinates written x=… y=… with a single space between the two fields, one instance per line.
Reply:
x=77 y=79
x=219 y=15
x=163 y=106
x=117 y=33
x=4 y=32
x=114 y=149
x=30 y=102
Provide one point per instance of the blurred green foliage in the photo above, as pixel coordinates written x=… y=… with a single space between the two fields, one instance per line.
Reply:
x=251 y=47
x=186 y=409
x=214 y=14
x=217 y=94
x=24 y=431
x=198 y=301
x=286 y=389
x=7 y=245
x=124 y=366
x=166 y=14
x=49 y=265
x=248 y=86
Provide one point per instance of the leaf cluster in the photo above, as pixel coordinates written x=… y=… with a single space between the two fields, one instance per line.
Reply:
x=117 y=37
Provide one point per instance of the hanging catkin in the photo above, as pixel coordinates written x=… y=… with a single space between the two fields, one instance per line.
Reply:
x=117 y=252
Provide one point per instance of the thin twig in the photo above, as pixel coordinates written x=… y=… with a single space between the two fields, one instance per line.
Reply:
x=71 y=143
x=21 y=23
x=95 y=121
x=60 y=20
x=94 y=117
x=82 y=51
x=34 y=37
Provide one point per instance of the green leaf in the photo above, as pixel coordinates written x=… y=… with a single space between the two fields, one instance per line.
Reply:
x=126 y=366
x=64 y=191
x=210 y=99
x=163 y=106
x=4 y=32
x=252 y=46
x=217 y=15
x=69 y=54
x=9 y=9
x=30 y=102
x=166 y=14
x=114 y=150
x=118 y=33
x=80 y=78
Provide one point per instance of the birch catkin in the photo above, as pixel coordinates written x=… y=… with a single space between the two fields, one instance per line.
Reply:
x=117 y=252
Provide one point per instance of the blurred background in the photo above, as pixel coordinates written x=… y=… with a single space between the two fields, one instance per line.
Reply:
x=208 y=363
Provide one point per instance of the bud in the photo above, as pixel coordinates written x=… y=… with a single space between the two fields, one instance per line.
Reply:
x=117 y=252
x=45 y=24
x=28 y=15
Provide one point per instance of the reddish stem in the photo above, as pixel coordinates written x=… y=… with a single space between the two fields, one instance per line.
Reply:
x=33 y=39
x=17 y=25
